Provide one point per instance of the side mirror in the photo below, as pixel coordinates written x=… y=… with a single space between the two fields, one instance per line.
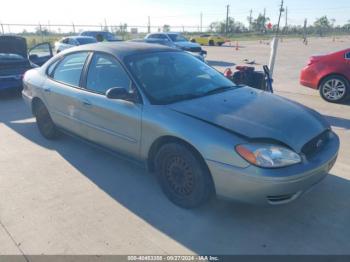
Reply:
x=119 y=93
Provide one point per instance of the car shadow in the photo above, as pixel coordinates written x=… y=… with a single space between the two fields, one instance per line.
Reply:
x=220 y=63
x=319 y=219
x=338 y=121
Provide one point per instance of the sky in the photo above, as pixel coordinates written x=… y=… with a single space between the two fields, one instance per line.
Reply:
x=173 y=12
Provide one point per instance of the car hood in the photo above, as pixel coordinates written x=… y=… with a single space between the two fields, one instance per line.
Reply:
x=186 y=44
x=257 y=115
x=13 y=45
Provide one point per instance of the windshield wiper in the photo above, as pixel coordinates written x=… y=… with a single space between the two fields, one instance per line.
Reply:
x=177 y=98
x=218 y=90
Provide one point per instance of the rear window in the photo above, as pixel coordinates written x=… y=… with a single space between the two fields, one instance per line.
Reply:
x=10 y=57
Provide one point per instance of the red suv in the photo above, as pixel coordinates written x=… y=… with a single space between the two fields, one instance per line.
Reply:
x=330 y=74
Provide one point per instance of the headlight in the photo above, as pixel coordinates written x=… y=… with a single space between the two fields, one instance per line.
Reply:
x=268 y=155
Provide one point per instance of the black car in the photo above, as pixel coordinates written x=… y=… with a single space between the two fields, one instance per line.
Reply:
x=101 y=36
x=15 y=60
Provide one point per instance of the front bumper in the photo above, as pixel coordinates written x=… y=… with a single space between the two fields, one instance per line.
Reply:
x=273 y=186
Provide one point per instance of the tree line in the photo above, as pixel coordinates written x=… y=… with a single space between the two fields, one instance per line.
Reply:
x=321 y=26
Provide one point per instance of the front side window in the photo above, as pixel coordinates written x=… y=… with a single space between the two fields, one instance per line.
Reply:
x=69 y=70
x=347 y=55
x=168 y=77
x=104 y=73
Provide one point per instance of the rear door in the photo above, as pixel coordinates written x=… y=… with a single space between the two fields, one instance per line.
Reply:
x=113 y=123
x=40 y=53
x=62 y=90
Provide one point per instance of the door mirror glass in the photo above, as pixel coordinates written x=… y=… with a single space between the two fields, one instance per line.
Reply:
x=40 y=53
x=119 y=93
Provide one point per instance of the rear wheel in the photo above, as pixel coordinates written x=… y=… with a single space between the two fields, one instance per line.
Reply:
x=44 y=122
x=334 y=89
x=185 y=180
x=211 y=42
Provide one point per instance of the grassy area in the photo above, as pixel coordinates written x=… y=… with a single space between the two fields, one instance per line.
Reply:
x=52 y=38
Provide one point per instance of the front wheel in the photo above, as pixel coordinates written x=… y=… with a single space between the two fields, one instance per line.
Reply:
x=185 y=180
x=334 y=89
x=44 y=122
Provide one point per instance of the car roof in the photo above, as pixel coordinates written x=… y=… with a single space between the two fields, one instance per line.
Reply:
x=79 y=36
x=95 y=32
x=122 y=49
x=165 y=33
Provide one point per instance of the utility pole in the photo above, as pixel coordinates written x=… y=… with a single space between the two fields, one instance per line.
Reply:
x=149 y=25
x=279 y=18
x=305 y=32
x=106 y=27
x=264 y=20
x=227 y=11
x=286 y=25
x=274 y=43
x=250 y=19
x=201 y=21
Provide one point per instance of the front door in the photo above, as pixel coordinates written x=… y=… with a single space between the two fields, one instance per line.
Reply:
x=113 y=123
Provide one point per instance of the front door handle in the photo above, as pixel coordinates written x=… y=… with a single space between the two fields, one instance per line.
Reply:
x=86 y=103
x=47 y=90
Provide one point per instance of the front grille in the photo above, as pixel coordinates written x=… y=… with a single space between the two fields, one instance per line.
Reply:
x=316 y=144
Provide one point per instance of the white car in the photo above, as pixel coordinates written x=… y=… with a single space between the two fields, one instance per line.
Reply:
x=70 y=41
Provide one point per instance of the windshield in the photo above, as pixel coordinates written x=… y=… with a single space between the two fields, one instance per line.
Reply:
x=168 y=77
x=177 y=37
x=11 y=57
x=86 y=40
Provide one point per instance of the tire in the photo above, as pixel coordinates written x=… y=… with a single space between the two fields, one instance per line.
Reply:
x=211 y=42
x=193 y=40
x=334 y=89
x=220 y=44
x=44 y=122
x=183 y=176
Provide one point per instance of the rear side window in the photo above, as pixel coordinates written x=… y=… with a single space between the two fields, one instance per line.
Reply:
x=347 y=55
x=104 y=73
x=52 y=67
x=69 y=70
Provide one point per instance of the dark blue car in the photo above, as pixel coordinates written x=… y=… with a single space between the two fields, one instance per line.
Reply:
x=101 y=36
x=15 y=60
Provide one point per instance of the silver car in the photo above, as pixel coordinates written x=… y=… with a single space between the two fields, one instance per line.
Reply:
x=71 y=41
x=197 y=131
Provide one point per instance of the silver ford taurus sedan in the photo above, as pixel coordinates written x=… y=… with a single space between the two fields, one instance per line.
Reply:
x=197 y=131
